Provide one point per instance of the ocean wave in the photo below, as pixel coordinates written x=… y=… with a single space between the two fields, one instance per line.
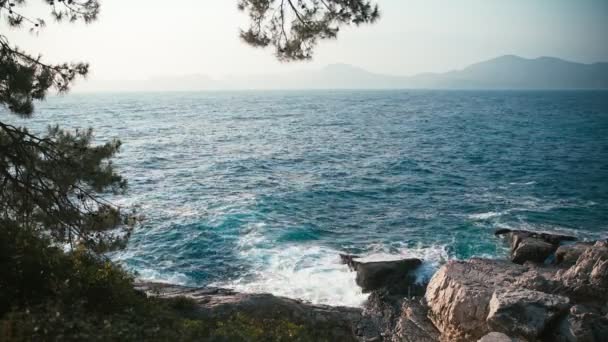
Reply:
x=156 y=276
x=311 y=273
x=315 y=273
x=488 y=215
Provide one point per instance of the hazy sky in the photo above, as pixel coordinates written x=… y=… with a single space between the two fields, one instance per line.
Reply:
x=137 y=39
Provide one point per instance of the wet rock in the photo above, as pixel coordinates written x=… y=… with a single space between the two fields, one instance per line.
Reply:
x=524 y=313
x=349 y=260
x=581 y=324
x=394 y=276
x=532 y=246
x=459 y=295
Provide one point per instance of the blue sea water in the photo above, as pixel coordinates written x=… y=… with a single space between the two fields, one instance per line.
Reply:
x=259 y=191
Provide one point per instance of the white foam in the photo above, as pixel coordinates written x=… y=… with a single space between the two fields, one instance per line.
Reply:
x=311 y=273
x=156 y=276
x=523 y=183
x=315 y=273
x=487 y=216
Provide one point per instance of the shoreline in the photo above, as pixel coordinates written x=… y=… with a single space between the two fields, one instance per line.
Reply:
x=553 y=288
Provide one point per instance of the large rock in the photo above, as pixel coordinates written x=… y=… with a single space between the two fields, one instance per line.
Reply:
x=587 y=279
x=459 y=295
x=524 y=313
x=581 y=324
x=399 y=319
x=413 y=324
x=394 y=276
x=567 y=255
x=532 y=246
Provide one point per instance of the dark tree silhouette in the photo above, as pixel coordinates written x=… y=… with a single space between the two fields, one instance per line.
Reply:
x=294 y=27
x=52 y=184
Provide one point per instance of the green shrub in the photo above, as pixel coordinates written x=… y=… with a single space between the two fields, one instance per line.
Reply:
x=47 y=294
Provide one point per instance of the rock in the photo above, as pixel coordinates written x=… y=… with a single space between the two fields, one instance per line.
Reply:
x=459 y=295
x=581 y=324
x=324 y=322
x=554 y=239
x=349 y=260
x=524 y=313
x=532 y=249
x=413 y=324
x=394 y=276
x=399 y=319
x=568 y=254
x=532 y=246
x=496 y=337
x=587 y=279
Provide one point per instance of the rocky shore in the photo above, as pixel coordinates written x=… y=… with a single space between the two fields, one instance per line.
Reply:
x=553 y=288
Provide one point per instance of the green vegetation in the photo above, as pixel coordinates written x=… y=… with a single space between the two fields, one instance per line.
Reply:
x=49 y=295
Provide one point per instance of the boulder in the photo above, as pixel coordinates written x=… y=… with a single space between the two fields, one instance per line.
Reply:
x=532 y=249
x=413 y=325
x=394 y=276
x=399 y=319
x=581 y=324
x=459 y=295
x=587 y=279
x=532 y=246
x=524 y=313
x=567 y=255
x=496 y=337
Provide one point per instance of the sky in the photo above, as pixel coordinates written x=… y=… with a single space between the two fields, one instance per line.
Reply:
x=140 y=39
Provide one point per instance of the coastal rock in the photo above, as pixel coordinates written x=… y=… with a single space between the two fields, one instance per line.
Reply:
x=582 y=324
x=567 y=255
x=587 y=279
x=324 y=322
x=349 y=260
x=532 y=249
x=524 y=313
x=532 y=246
x=393 y=276
x=413 y=324
x=400 y=319
x=459 y=295
x=496 y=337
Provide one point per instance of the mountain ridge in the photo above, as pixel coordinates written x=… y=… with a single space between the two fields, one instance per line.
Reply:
x=502 y=72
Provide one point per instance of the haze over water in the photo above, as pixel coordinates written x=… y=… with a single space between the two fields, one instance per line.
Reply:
x=260 y=191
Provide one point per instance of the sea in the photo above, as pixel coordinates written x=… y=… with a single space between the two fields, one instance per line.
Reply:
x=260 y=191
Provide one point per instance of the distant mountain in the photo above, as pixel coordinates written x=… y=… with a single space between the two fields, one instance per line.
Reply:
x=513 y=72
x=506 y=72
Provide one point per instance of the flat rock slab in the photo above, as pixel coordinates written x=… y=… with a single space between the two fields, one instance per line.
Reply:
x=328 y=322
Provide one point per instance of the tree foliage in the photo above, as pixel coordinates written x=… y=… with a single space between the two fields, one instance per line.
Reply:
x=52 y=185
x=294 y=27
x=25 y=77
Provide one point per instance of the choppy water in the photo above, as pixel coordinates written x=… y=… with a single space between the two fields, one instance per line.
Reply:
x=260 y=190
